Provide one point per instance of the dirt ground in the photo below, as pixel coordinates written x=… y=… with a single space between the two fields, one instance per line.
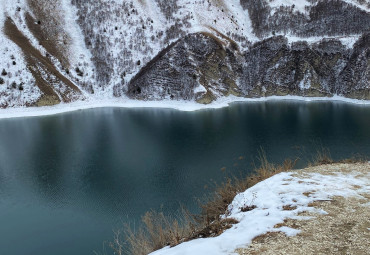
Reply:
x=344 y=230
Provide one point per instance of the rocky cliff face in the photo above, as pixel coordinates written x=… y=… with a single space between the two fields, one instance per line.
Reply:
x=62 y=51
x=201 y=68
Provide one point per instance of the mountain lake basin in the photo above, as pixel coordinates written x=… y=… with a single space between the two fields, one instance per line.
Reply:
x=68 y=180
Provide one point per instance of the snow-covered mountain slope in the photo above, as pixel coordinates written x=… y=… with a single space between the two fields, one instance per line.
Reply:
x=68 y=50
x=38 y=49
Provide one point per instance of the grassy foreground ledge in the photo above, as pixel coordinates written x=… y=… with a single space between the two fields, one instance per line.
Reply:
x=159 y=230
x=338 y=225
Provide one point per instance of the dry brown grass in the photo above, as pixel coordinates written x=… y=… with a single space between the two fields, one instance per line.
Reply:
x=322 y=157
x=216 y=204
x=47 y=25
x=357 y=158
x=159 y=230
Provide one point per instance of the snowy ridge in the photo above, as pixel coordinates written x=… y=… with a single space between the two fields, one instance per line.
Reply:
x=269 y=197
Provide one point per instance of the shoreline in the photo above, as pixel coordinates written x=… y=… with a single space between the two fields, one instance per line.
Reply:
x=283 y=205
x=187 y=106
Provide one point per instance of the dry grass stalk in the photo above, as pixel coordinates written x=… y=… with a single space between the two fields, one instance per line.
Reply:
x=159 y=230
x=322 y=157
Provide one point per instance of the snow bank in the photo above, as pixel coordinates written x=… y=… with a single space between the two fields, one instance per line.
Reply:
x=270 y=196
x=168 y=104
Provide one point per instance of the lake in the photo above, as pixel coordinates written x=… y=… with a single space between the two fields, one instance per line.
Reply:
x=67 y=180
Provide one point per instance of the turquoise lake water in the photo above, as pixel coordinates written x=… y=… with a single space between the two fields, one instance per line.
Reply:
x=67 y=180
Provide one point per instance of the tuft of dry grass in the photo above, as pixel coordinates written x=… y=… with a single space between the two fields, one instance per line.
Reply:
x=322 y=157
x=357 y=158
x=159 y=230
x=218 y=201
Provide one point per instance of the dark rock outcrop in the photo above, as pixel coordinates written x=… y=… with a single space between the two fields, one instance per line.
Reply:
x=175 y=73
x=354 y=79
x=324 y=18
x=270 y=67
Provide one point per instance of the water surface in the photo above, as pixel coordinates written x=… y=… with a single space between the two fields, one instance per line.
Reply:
x=67 y=180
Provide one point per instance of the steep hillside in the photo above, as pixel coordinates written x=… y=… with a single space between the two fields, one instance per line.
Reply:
x=199 y=50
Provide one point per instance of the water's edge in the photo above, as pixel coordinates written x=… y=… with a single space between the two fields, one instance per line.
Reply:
x=168 y=104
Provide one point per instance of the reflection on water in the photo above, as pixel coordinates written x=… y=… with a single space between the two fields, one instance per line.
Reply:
x=67 y=180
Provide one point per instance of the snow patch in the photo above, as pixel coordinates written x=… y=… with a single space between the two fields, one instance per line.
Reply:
x=299 y=6
x=305 y=83
x=288 y=231
x=200 y=89
x=347 y=41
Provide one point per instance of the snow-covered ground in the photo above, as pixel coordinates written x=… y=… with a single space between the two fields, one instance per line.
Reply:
x=269 y=197
x=168 y=104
